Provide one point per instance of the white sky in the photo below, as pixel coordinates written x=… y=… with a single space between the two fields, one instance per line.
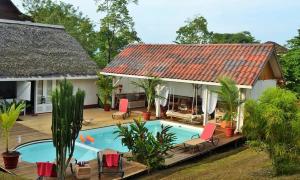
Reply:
x=156 y=21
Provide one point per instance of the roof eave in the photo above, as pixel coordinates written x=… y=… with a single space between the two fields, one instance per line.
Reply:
x=35 y=78
x=174 y=80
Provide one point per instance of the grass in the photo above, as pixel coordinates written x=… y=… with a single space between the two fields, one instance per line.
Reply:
x=6 y=176
x=241 y=163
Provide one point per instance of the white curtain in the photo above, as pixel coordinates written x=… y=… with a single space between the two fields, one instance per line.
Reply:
x=163 y=92
x=212 y=100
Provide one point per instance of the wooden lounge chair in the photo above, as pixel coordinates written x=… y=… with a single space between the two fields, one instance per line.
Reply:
x=110 y=162
x=207 y=136
x=123 y=109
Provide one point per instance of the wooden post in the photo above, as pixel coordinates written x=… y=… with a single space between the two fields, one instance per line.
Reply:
x=240 y=111
x=205 y=100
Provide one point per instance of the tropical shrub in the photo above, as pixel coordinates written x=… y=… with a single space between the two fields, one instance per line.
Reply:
x=145 y=147
x=67 y=117
x=9 y=113
x=105 y=88
x=272 y=124
x=229 y=96
x=148 y=85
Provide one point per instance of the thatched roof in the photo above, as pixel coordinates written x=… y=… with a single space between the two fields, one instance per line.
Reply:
x=31 y=49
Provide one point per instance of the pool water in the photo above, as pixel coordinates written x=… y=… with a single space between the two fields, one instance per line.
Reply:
x=103 y=138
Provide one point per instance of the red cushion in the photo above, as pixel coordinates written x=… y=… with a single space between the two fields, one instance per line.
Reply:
x=46 y=169
x=111 y=160
x=123 y=105
x=208 y=131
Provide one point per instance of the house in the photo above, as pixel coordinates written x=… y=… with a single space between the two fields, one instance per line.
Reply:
x=254 y=67
x=34 y=57
x=9 y=11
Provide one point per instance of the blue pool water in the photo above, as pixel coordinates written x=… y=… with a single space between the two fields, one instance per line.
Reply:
x=104 y=138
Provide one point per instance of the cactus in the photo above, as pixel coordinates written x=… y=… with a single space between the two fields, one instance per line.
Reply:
x=67 y=117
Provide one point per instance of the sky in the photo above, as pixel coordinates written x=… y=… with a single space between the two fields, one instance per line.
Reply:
x=157 y=21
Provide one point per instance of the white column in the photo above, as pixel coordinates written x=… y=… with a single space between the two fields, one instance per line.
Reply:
x=205 y=100
x=240 y=111
x=113 y=95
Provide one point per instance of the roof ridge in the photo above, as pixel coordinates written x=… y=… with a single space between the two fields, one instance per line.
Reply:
x=28 y=23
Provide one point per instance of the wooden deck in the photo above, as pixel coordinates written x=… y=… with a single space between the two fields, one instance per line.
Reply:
x=180 y=153
x=38 y=127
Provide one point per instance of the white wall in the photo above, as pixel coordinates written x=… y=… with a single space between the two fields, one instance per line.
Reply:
x=90 y=88
x=259 y=87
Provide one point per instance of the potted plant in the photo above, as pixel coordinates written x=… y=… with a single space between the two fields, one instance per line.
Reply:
x=105 y=88
x=148 y=85
x=8 y=116
x=229 y=96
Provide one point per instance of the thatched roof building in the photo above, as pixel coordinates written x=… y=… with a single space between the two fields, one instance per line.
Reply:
x=38 y=50
x=9 y=11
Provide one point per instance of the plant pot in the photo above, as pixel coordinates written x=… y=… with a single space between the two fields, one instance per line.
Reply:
x=146 y=115
x=225 y=124
x=229 y=131
x=11 y=159
x=106 y=107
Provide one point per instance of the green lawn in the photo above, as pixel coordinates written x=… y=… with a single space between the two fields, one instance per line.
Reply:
x=241 y=163
x=5 y=176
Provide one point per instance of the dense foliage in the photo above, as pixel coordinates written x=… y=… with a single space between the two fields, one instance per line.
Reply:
x=196 y=32
x=290 y=62
x=229 y=97
x=145 y=147
x=148 y=85
x=77 y=25
x=116 y=28
x=67 y=117
x=272 y=124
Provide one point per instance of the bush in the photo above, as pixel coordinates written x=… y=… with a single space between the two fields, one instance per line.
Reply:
x=145 y=147
x=272 y=124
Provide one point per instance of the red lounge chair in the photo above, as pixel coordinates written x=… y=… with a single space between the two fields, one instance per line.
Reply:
x=123 y=109
x=206 y=136
x=110 y=162
x=46 y=169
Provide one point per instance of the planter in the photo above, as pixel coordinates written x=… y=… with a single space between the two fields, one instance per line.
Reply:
x=106 y=107
x=11 y=159
x=229 y=131
x=146 y=115
x=225 y=124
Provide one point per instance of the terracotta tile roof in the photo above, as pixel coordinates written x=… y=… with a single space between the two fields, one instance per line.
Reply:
x=242 y=62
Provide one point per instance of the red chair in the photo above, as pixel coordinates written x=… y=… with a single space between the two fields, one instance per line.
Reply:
x=123 y=109
x=206 y=136
x=110 y=162
x=46 y=169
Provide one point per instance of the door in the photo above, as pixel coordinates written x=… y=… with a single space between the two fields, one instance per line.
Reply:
x=43 y=93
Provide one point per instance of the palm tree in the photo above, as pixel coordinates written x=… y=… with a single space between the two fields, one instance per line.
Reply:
x=229 y=95
x=148 y=85
x=105 y=87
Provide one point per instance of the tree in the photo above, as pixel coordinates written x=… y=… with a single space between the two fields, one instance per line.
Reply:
x=67 y=117
x=116 y=28
x=194 y=32
x=105 y=89
x=272 y=124
x=240 y=37
x=77 y=25
x=290 y=62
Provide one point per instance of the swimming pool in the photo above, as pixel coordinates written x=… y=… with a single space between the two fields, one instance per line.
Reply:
x=104 y=138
